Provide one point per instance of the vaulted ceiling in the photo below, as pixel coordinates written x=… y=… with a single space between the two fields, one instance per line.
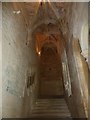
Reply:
x=45 y=22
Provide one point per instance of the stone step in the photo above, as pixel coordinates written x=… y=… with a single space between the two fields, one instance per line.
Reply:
x=50 y=108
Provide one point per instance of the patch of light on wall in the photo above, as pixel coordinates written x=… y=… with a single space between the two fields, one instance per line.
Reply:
x=44 y=1
x=40 y=1
x=49 y=1
x=16 y=11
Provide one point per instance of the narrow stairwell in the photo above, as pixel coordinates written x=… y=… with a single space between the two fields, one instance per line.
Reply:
x=50 y=108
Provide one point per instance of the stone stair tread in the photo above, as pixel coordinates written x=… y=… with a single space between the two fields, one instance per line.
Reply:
x=50 y=108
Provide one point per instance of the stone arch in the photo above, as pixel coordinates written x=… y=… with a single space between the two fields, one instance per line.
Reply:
x=47 y=33
x=49 y=46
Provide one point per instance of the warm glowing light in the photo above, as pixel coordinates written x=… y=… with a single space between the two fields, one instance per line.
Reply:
x=44 y=1
x=49 y=1
x=39 y=53
x=40 y=1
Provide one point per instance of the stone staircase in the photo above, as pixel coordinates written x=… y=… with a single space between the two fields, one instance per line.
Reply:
x=50 y=108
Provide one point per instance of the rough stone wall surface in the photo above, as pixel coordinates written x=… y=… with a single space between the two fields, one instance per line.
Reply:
x=76 y=97
x=0 y=60
x=76 y=19
x=18 y=59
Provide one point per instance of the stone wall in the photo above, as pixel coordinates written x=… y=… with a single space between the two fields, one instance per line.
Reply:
x=76 y=30
x=0 y=60
x=19 y=60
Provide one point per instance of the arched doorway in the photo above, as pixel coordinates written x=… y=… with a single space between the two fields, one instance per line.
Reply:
x=50 y=82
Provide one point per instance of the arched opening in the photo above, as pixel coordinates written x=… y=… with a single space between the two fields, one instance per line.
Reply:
x=51 y=79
